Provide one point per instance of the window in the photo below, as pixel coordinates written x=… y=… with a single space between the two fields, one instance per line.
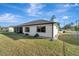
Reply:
x=27 y=29
x=38 y=29
x=41 y=29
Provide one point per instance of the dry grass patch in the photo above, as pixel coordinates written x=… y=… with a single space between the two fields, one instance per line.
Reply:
x=20 y=45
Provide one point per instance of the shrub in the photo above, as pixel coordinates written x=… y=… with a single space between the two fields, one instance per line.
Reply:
x=64 y=31
x=36 y=35
x=27 y=34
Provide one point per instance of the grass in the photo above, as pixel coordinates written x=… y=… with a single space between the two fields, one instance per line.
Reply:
x=71 y=43
x=13 y=44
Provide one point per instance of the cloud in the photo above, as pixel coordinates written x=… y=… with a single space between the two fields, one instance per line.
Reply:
x=76 y=4
x=35 y=9
x=67 y=5
x=61 y=10
x=71 y=5
x=7 y=17
x=58 y=11
x=65 y=17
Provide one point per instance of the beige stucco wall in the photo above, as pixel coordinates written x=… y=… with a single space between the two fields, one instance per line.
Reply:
x=11 y=29
x=48 y=33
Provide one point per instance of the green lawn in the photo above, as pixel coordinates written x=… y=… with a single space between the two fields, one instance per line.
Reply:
x=20 y=45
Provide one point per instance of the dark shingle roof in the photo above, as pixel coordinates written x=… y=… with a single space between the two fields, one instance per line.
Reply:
x=37 y=22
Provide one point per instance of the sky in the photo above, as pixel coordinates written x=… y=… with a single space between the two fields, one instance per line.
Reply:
x=12 y=14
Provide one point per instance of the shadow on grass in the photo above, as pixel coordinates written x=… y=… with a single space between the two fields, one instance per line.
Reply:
x=17 y=36
x=70 y=38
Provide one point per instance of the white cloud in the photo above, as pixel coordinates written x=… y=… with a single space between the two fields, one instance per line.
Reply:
x=67 y=5
x=76 y=4
x=58 y=11
x=7 y=17
x=61 y=10
x=65 y=17
x=71 y=5
x=35 y=9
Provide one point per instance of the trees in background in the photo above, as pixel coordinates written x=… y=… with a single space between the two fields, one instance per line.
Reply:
x=0 y=28
x=77 y=25
x=72 y=26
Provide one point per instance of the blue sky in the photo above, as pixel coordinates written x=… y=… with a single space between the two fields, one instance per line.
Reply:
x=17 y=13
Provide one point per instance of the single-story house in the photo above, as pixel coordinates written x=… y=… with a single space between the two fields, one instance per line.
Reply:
x=17 y=29
x=11 y=29
x=4 y=29
x=43 y=28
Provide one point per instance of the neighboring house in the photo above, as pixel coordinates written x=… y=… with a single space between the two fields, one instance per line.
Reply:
x=4 y=29
x=11 y=29
x=17 y=29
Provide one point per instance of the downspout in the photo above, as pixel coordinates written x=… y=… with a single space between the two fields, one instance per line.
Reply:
x=52 y=33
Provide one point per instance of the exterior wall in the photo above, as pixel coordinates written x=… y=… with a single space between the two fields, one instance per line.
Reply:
x=55 y=31
x=33 y=30
x=48 y=33
x=18 y=29
x=11 y=29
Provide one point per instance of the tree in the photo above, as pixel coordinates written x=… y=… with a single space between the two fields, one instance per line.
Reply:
x=0 y=28
x=77 y=25
x=68 y=26
x=52 y=18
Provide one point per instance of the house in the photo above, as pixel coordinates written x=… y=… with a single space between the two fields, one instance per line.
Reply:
x=43 y=28
x=11 y=29
x=17 y=29
x=4 y=29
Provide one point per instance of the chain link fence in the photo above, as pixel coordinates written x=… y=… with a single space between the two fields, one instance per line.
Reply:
x=70 y=40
